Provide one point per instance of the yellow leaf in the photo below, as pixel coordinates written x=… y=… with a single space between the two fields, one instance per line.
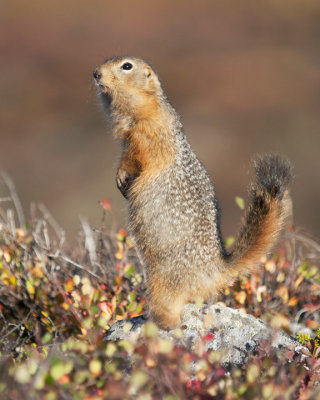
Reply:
x=95 y=367
x=283 y=292
x=212 y=390
x=150 y=362
x=37 y=272
x=241 y=297
x=281 y=276
x=30 y=288
x=111 y=349
x=7 y=256
x=13 y=280
x=76 y=280
x=138 y=379
x=165 y=346
x=267 y=390
x=149 y=329
x=253 y=373
x=20 y=233
x=83 y=331
x=279 y=321
x=270 y=266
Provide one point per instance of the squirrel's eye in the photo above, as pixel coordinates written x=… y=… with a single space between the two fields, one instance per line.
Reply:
x=127 y=66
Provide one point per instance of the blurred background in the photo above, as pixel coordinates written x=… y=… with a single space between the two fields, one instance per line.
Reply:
x=244 y=76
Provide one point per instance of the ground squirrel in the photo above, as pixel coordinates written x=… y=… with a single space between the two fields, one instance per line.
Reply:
x=174 y=216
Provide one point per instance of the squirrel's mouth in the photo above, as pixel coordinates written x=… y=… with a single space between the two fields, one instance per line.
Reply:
x=103 y=89
x=105 y=94
x=101 y=86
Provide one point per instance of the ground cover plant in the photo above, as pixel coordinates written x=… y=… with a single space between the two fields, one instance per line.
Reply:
x=57 y=301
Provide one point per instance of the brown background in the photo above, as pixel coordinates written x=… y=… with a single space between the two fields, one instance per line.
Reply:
x=244 y=75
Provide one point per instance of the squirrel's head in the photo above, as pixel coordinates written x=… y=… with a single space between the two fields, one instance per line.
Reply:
x=129 y=85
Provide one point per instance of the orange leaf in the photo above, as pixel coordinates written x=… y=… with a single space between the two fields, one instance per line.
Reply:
x=293 y=301
x=312 y=324
x=298 y=281
x=64 y=379
x=118 y=280
x=68 y=286
x=106 y=204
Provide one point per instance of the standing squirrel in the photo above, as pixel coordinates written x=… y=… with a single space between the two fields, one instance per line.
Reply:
x=174 y=215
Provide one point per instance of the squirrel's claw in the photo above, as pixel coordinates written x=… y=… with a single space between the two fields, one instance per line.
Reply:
x=124 y=181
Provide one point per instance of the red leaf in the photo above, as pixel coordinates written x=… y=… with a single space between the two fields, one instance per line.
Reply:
x=193 y=384
x=208 y=337
x=106 y=204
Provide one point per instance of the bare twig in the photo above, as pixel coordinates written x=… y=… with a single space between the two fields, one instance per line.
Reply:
x=68 y=260
x=8 y=181
x=11 y=221
x=90 y=243
x=305 y=239
x=56 y=227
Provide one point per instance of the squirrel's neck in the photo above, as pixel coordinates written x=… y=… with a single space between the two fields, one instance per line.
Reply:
x=149 y=134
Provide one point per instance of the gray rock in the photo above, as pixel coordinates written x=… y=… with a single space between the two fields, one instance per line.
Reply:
x=236 y=334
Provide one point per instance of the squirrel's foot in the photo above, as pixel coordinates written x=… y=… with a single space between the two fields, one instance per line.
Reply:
x=165 y=321
x=166 y=316
x=124 y=181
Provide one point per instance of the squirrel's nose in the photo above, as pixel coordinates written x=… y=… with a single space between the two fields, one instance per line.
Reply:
x=97 y=74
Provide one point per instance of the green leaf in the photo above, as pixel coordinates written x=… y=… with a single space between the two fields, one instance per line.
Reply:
x=229 y=241
x=129 y=271
x=46 y=338
x=132 y=306
x=240 y=202
x=132 y=296
x=57 y=371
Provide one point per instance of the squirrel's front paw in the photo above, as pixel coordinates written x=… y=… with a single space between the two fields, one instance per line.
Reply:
x=124 y=180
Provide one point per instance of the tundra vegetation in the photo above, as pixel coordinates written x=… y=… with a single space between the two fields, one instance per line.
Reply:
x=58 y=300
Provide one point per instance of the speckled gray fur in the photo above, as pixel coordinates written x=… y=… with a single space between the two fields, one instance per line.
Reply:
x=177 y=217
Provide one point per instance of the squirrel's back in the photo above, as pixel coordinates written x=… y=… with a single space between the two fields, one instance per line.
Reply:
x=173 y=211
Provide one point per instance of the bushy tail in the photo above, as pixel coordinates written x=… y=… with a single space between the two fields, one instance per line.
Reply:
x=269 y=206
